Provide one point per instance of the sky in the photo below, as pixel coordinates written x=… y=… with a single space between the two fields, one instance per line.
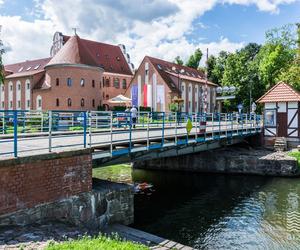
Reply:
x=158 y=28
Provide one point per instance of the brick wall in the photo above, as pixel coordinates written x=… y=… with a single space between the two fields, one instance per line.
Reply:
x=27 y=182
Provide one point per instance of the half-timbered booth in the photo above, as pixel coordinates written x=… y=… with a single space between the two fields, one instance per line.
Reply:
x=281 y=113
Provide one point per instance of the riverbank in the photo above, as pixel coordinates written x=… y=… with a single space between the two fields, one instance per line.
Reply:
x=239 y=159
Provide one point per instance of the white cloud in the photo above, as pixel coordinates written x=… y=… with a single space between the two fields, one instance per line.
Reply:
x=153 y=27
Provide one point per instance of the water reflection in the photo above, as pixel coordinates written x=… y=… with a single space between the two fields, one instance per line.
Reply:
x=219 y=211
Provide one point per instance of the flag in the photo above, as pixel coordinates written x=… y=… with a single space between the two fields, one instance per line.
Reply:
x=145 y=95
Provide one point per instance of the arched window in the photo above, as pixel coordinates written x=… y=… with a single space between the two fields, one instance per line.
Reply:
x=93 y=103
x=82 y=102
x=93 y=83
x=38 y=102
x=57 y=102
x=124 y=84
x=117 y=83
x=69 y=102
x=107 y=82
x=82 y=82
x=57 y=81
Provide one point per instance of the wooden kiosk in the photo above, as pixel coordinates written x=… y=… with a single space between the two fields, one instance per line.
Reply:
x=281 y=114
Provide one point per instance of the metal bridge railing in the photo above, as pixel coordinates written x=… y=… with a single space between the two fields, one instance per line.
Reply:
x=25 y=132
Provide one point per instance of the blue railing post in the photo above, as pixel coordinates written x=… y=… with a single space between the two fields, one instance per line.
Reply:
x=84 y=128
x=15 y=133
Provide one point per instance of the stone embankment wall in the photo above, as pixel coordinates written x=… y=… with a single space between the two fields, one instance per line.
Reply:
x=235 y=160
x=107 y=203
x=59 y=186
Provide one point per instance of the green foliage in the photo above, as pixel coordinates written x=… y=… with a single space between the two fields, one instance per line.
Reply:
x=119 y=108
x=195 y=59
x=295 y=154
x=216 y=67
x=145 y=109
x=100 y=242
x=173 y=107
x=178 y=60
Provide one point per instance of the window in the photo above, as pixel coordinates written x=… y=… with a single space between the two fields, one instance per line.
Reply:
x=57 y=81
x=37 y=66
x=182 y=88
x=28 y=68
x=93 y=103
x=82 y=82
x=10 y=104
x=189 y=89
x=57 y=102
x=107 y=97
x=124 y=84
x=28 y=85
x=103 y=95
x=103 y=81
x=69 y=82
x=82 y=102
x=28 y=103
x=19 y=104
x=19 y=86
x=20 y=69
x=69 y=102
x=116 y=83
x=270 y=117
x=11 y=87
x=93 y=83
x=2 y=104
x=107 y=82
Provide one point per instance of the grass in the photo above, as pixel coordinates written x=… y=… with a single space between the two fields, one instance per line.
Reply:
x=99 y=242
x=117 y=173
x=295 y=154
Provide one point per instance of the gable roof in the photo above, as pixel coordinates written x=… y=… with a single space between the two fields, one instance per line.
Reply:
x=170 y=76
x=281 y=92
x=26 y=68
x=73 y=52
x=107 y=56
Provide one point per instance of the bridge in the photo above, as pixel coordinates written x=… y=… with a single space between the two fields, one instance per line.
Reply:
x=114 y=138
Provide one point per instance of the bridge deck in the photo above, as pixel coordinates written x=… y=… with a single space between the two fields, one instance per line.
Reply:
x=114 y=140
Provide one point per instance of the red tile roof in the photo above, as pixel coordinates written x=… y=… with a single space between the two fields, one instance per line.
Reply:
x=166 y=70
x=73 y=52
x=109 y=57
x=26 y=68
x=281 y=92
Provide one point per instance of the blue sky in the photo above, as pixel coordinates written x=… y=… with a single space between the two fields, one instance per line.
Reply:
x=162 y=28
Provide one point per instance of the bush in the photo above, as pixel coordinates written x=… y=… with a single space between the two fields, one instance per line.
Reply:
x=100 y=242
x=119 y=108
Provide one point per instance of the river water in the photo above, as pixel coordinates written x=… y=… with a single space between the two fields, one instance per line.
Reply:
x=210 y=211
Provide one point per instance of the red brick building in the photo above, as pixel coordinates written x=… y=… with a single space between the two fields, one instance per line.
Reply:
x=157 y=83
x=80 y=75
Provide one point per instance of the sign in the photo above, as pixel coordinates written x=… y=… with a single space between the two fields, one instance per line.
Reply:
x=189 y=126
x=134 y=95
x=145 y=95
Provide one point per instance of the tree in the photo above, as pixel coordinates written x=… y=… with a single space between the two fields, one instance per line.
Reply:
x=277 y=54
x=241 y=71
x=216 y=67
x=195 y=59
x=178 y=60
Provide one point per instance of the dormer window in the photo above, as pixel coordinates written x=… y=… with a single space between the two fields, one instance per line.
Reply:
x=159 y=66
x=37 y=66
x=118 y=58
x=28 y=68
x=20 y=69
